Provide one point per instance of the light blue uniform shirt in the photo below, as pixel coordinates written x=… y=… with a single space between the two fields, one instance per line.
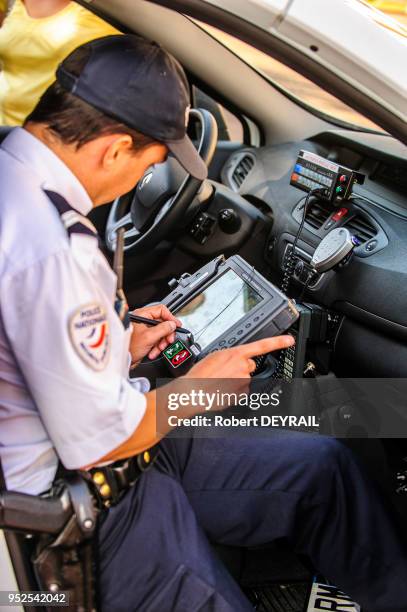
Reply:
x=64 y=387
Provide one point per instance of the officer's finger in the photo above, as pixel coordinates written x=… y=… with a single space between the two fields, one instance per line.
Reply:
x=156 y=350
x=153 y=335
x=166 y=341
x=159 y=311
x=252 y=366
x=163 y=344
x=267 y=345
x=166 y=315
x=154 y=353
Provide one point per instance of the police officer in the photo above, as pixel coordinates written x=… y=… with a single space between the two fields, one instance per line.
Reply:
x=117 y=107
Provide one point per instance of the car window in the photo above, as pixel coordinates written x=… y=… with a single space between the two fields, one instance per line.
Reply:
x=293 y=83
x=229 y=125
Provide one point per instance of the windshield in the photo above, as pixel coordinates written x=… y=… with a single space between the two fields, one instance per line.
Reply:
x=297 y=86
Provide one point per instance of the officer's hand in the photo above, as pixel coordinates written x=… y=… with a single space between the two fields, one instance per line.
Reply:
x=151 y=341
x=236 y=364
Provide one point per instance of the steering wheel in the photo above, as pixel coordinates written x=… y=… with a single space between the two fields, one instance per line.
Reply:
x=154 y=209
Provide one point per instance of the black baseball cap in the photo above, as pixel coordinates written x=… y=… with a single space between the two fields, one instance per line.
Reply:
x=141 y=85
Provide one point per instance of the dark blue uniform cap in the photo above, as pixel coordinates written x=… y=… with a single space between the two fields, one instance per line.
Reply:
x=141 y=85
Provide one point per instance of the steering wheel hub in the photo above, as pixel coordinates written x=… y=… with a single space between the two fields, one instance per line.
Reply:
x=161 y=198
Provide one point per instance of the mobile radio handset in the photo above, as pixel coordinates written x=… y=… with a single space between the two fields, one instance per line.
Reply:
x=334 y=250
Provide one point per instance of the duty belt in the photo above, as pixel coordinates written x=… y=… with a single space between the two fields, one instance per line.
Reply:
x=111 y=482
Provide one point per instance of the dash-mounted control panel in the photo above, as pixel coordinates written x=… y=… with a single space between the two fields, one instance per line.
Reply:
x=311 y=171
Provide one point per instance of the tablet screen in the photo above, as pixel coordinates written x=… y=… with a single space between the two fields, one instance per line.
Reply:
x=209 y=314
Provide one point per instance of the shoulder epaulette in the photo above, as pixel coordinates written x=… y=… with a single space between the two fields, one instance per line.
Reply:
x=74 y=222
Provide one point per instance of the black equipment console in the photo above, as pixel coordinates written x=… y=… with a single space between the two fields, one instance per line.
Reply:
x=314 y=172
x=314 y=332
x=225 y=303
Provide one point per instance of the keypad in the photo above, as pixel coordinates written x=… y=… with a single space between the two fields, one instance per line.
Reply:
x=285 y=367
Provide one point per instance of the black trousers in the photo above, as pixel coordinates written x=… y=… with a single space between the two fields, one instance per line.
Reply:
x=246 y=491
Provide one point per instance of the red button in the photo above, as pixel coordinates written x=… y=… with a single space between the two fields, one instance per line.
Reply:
x=343 y=178
x=340 y=213
x=294 y=177
x=180 y=357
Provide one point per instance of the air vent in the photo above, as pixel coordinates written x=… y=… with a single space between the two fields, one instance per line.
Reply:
x=242 y=170
x=361 y=227
x=317 y=214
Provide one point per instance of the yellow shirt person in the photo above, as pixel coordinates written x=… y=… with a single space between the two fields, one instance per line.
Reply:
x=31 y=49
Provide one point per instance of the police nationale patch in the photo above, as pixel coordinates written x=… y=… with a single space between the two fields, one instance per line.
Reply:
x=90 y=335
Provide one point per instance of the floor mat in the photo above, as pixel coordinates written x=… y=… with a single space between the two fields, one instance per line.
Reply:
x=280 y=597
x=296 y=597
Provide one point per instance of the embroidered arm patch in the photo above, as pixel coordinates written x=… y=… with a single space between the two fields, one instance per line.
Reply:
x=90 y=335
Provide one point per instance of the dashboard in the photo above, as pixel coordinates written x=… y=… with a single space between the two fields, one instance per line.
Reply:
x=372 y=290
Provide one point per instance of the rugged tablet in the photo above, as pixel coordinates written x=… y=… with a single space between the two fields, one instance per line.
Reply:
x=226 y=303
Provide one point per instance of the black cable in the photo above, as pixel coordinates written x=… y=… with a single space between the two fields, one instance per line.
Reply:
x=304 y=214
x=305 y=286
x=288 y=272
x=288 y=265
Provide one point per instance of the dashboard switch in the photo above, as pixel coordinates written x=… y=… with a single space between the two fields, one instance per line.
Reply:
x=342 y=212
x=202 y=227
x=371 y=245
x=229 y=221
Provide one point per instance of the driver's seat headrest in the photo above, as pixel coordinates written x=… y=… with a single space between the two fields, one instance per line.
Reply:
x=4 y=131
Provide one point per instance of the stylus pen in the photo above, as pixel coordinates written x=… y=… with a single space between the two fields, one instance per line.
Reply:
x=138 y=319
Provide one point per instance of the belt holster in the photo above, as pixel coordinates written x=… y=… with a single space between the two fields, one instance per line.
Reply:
x=66 y=562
